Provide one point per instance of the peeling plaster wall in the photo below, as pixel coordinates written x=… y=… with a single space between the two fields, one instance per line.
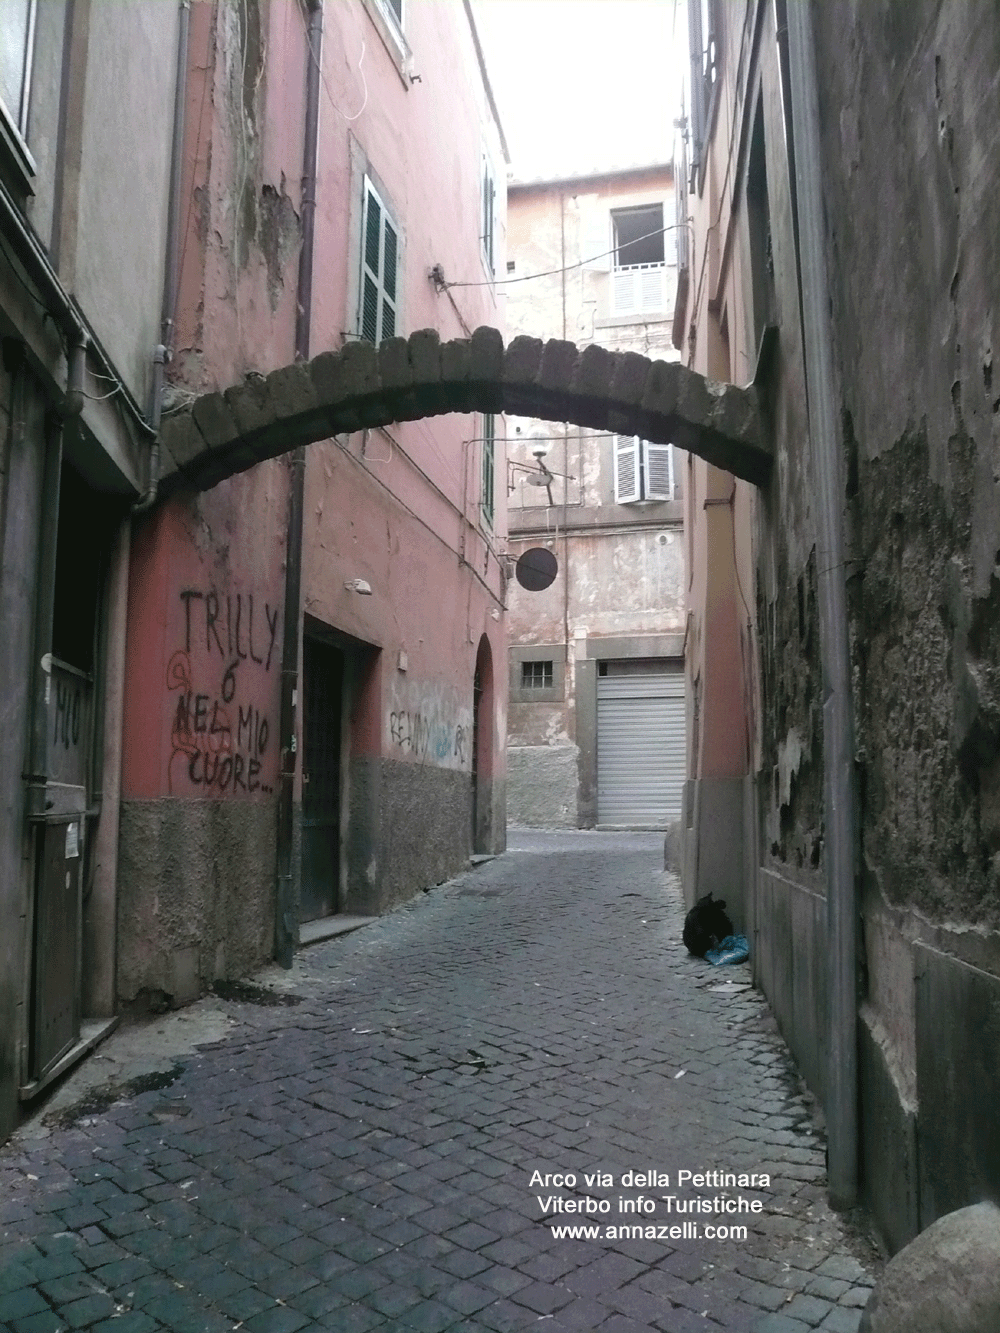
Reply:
x=201 y=727
x=755 y=721
x=241 y=181
x=909 y=123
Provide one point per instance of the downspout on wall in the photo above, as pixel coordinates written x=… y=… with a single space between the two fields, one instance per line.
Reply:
x=286 y=930
x=840 y=854
x=168 y=309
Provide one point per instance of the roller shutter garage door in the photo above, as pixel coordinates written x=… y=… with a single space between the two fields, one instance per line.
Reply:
x=640 y=748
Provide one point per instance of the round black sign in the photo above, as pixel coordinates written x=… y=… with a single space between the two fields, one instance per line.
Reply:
x=536 y=569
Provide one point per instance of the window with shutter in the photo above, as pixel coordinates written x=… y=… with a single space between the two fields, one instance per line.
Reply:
x=658 y=471
x=488 y=217
x=638 y=277
x=17 y=27
x=487 y=501
x=379 y=257
x=17 y=39
x=643 y=470
x=393 y=12
x=627 y=459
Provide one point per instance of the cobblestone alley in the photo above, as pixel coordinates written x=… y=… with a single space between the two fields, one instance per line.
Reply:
x=361 y=1156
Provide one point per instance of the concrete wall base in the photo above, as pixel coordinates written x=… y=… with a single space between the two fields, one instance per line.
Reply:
x=180 y=929
x=888 y=1139
x=409 y=827
x=790 y=967
x=542 y=785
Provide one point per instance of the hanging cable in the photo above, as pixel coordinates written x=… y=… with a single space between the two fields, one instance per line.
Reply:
x=443 y=285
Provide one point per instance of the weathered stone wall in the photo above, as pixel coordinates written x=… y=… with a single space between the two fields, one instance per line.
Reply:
x=409 y=828
x=911 y=178
x=196 y=895
x=541 y=785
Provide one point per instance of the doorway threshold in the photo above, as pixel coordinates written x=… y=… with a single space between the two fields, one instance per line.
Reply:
x=91 y=1035
x=327 y=927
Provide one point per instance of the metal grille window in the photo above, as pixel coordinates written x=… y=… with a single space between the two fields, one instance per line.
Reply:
x=379 y=255
x=643 y=470
x=536 y=675
x=487 y=500
x=17 y=33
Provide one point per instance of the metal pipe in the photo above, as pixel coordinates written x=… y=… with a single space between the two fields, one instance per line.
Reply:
x=286 y=932
x=168 y=309
x=840 y=854
x=38 y=741
x=303 y=300
x=565 y=450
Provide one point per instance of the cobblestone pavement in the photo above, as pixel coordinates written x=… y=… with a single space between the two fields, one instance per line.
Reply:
x=361 y=1156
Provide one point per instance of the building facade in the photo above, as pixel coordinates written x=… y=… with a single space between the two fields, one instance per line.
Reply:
x=842 y=715
x=85 y=230
x=236 y=707
x=596 y=718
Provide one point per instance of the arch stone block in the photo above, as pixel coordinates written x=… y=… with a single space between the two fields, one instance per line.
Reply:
x=408 y=378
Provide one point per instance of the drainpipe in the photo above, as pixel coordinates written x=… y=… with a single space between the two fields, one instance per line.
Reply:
x=168 y=310
x=38 y=740
x=565 y=461
x=838 y=723
x=286 y=929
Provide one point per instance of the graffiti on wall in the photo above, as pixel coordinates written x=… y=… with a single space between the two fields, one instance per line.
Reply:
x=430 y=724
x=69 y=698
x=222 y=735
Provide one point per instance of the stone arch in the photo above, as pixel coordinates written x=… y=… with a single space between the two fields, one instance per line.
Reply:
x=408 y=378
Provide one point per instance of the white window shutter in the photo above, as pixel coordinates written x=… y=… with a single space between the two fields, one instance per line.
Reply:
x=596 y=239
x=658 y=470
x=390 y=256
x=626 y=448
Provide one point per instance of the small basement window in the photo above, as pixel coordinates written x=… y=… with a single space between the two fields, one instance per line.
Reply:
x=536 y=675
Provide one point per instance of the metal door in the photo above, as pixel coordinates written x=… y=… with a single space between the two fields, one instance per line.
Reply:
x=55 y=995
x=640 y=748
x=323 y=667
x=56 y=991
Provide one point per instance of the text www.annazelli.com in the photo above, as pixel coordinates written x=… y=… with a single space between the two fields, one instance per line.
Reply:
x=684 y=1231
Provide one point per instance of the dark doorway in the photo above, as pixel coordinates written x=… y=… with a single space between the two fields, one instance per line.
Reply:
x=323 y=668
x=85 y=532
x=477 y=698
x=482 y=748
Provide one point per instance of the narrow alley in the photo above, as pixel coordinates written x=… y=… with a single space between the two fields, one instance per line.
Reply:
x=392 y=1139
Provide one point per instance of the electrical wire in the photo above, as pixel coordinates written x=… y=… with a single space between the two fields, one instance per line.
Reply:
x=568 y=268
x=364 y=82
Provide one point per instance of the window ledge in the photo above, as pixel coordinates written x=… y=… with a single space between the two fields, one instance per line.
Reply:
x=392 y=39
x=17 y=166
x=622 y=321
x=552 y=694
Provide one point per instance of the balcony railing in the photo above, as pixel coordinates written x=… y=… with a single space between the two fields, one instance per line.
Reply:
x=639 y=289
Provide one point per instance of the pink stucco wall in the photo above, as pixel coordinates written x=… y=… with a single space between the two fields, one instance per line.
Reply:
x=399 y=509
x=205 y=622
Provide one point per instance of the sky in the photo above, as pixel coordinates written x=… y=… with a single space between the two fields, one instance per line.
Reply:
x=584 y=84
